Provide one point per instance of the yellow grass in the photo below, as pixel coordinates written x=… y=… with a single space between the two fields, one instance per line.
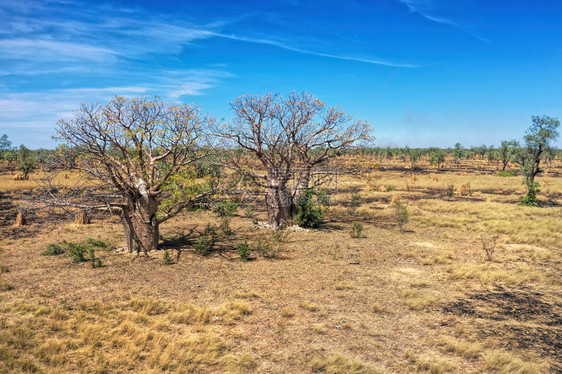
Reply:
x=390 y=302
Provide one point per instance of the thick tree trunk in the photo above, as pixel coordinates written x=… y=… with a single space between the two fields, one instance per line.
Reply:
x=303 y=184
x=278 y=201
x=128 y=227
x=145 y=224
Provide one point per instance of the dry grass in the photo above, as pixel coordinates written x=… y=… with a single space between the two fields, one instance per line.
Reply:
x=342 y=364
x=136 y=334
x=400 y=301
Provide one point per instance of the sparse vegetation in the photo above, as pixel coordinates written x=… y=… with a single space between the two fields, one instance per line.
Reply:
x=356 y=230
x=470 y=287
x=244 y=251
x=401 y=214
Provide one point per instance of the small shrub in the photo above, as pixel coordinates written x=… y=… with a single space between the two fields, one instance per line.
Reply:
x=401 y=214
x=77 y=252
x=357 y=230
x=531 y=198
x=244 y=251
x=225 y=225
x=207 y=241
x=489 y=246
x=308 y=214
x=167 y=260
x=355 y=203
x=4 y=269
x=94 y=262
x=389 y=188
x=52 y=250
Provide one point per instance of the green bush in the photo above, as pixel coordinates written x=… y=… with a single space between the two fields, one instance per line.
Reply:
x=225 y=225
x=207 y=241
x=244 y=251
x=95 y=262
x=167 y=260
x=77 y=252
x=401 y=214
x=53 y=250
x=531 y=198
x=308 y=214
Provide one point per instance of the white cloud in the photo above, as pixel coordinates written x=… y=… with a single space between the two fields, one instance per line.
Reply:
x=313 y=53
x=425 y=9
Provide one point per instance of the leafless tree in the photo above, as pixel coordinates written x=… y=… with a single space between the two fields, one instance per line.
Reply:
x=139 y=156
x=290 y=137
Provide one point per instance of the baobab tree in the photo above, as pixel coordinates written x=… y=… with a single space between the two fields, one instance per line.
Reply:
x=290 y=138
x=139 y=155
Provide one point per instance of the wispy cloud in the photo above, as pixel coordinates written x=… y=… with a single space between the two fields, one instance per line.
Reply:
x=315 y=53
x=425 y=9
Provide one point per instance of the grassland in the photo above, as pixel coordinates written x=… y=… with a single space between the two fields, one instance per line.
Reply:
x=426 y=299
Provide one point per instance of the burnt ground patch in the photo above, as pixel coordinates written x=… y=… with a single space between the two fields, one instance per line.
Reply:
x=519 y=318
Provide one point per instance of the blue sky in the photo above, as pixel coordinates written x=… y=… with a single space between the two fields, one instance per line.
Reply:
x=476 y=70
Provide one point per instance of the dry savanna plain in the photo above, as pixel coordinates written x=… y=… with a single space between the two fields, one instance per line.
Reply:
x=469 y=284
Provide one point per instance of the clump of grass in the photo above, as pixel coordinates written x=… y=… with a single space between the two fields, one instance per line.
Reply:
x=465 y=190
x=490 y=274
x=341 y=364
x=4 y=269
x=5 y=286
x=167 y=259
x=489 y=247
x=450 y=190
x=311 y=307
x=357 y=230
x=417 y=299
x=462 y=348
x=271 y=246
x=501 y=361
x=428 y=363
x=244 y=251
x=377 y=308
x=287 y=312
